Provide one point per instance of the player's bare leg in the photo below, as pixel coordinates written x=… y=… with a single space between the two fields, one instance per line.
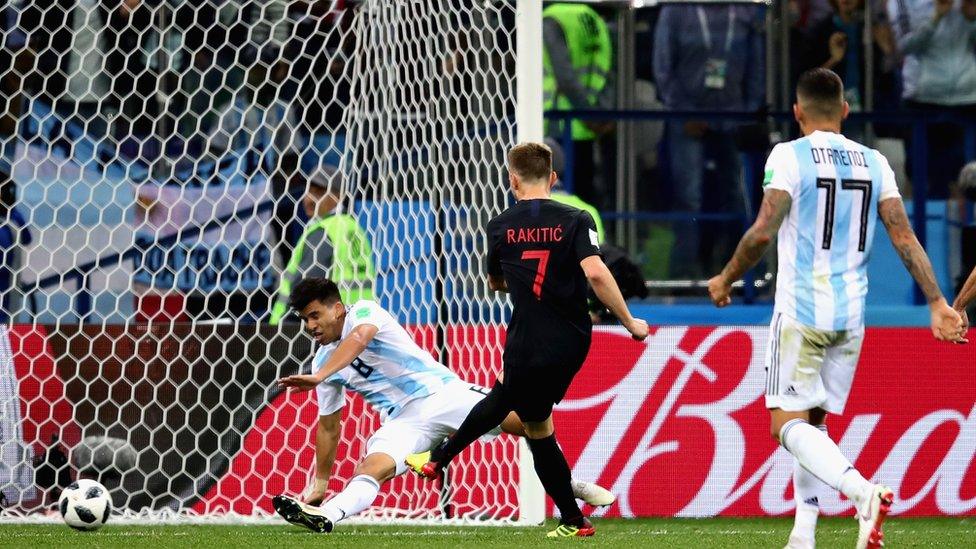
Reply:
x=819 y=455
x=355 y=498
x=591 y=493
x=513 y=425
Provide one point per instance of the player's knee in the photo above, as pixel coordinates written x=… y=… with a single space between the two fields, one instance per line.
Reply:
x=538 y=429
x=513 y=425
x=379 y=466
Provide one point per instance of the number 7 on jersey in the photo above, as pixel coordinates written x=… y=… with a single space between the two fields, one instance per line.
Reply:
x=542 y=256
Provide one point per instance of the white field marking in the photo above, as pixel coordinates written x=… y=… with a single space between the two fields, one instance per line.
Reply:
x=103 y=534
x=176 y=530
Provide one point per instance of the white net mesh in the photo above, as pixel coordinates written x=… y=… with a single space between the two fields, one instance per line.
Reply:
x=160 y=152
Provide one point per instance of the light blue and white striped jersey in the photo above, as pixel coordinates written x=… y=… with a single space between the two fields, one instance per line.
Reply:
x=825 y=241
x=391 y=372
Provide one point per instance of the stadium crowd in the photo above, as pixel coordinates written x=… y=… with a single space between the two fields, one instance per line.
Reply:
x=162 y=82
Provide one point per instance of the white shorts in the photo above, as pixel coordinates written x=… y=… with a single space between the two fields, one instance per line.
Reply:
x=425 y=422
x=807 y=368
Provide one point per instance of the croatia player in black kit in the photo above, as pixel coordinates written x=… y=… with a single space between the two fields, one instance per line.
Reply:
x=543 y=253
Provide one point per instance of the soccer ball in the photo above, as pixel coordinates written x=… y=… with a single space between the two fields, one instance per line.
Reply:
x=85 y=505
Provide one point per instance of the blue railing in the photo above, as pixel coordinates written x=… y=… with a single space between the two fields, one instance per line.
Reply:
x=918 y=121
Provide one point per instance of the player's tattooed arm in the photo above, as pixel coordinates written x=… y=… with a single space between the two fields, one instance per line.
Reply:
x=967 y=295
x=892 y=213
x=752 y=246
x=947 y=323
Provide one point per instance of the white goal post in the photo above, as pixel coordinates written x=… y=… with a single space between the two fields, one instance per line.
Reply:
x=160 y=153
x=529 y=124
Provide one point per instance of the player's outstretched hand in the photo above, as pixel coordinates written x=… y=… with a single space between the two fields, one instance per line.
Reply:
x=720 y=291
x=638 y=329
x=298 y=383
x=315 y=493
x=947 y=324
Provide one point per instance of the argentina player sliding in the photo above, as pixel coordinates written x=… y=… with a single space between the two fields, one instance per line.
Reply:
x=420 y=402
x=823 y=196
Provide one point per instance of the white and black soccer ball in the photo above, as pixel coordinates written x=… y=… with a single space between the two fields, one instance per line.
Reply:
x=85 y=505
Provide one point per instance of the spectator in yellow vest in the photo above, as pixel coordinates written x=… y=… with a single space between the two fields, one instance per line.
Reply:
x=577 y=58
x=333 y=246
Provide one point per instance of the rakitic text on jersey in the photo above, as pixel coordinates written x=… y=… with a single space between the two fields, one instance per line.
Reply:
x=537 y=234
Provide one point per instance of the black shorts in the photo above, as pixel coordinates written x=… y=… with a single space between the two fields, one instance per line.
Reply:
x=532 y=391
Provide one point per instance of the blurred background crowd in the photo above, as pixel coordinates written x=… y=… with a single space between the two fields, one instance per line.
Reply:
x=660 y=113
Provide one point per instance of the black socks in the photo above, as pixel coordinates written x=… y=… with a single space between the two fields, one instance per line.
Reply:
x=550 y=463
x=553 y=471
x=485 y=416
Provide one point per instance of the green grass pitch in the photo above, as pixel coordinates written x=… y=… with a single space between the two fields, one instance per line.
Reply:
x=630 y=534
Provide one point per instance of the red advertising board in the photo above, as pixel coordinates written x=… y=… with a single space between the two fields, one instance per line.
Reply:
x=675 y=425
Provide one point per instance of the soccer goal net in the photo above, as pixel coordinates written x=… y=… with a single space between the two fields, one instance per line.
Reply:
x=168 y=161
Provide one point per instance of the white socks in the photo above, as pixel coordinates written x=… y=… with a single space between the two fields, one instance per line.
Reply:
x=806 y=491
x=356 y=497
x=814 y=450
x=362 y=490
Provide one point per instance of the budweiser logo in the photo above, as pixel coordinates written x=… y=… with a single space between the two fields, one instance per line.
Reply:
x=677 y=425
